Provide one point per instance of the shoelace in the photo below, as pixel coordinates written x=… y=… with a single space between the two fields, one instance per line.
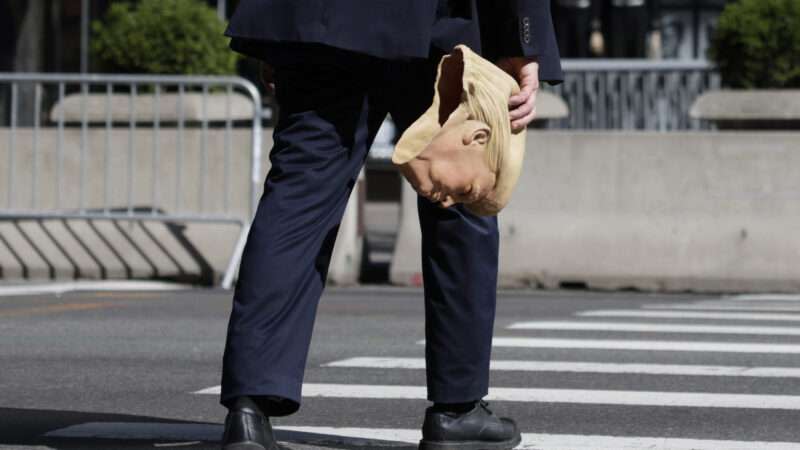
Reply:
x=485 y=405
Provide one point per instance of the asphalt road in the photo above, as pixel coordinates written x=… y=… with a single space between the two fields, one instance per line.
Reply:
x=575 y=368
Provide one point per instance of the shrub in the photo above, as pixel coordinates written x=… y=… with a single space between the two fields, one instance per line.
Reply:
x=757 y=44
x=162 y=36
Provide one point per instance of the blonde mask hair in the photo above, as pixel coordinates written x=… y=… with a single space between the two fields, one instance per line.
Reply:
x=465 y=80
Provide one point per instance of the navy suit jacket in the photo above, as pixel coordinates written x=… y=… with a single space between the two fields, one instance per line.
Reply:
x=397 y=29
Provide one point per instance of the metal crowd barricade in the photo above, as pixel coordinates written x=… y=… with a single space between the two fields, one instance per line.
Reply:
x=633 y=94
x=75 y=142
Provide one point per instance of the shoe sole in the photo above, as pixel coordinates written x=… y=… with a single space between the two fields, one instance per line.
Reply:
x=470 y=445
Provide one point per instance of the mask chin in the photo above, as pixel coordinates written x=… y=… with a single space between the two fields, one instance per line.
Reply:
x=485 y=207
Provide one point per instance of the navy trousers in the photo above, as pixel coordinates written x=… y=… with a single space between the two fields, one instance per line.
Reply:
x=331 y=104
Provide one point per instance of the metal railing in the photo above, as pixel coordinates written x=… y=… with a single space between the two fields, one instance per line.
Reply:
x=130 y=147
x=633 y=94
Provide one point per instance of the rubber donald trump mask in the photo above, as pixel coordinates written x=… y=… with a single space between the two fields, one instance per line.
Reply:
x=462 y=150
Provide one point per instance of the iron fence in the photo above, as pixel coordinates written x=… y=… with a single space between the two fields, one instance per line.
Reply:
x=633 y=94
x=130 y=147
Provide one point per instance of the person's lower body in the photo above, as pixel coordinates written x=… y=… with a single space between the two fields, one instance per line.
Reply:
x=628 y=32
x=331 y=105
x=573 y=31
x=326 y=123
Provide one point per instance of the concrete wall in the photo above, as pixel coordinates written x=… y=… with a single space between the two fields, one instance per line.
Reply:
x=678 y=211
x=136 y=173
x=55 y=248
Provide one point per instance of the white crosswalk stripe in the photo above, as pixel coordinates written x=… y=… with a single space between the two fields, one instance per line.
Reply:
x=751 y=311
x=751 y=303
x=689 y=315
x=766 y=297
x=559 y=441
x=193 y=433
x=584 y=367
x=576 y=396
x=654 y=328
x=724 y=307
x=647 y=345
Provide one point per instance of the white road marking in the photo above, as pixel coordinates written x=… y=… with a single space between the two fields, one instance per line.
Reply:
x=654 y=328
x=213 y=390
x=112 y=285
x=561 y=441
x=364 y=436
x=745 y=302
x=584 y=367
x=361 y=436
x=723 y=307
x=367 y=362
x=768 y=297
x=689 y=315
x=648 y=345
x=575 y=396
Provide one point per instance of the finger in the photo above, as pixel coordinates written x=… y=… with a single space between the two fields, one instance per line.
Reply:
x=524 y=109
x=521 y=124
x=520 y=111
x=528 y=87
x=523 y=121
x=517 y=99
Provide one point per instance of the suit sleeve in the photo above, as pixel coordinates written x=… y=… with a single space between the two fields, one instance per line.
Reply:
x=521 y=28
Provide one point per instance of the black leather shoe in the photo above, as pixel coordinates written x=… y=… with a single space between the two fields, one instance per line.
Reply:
x=478 y=429
x=247 y=428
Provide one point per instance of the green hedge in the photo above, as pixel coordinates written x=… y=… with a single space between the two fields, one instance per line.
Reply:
x=757 y=44
x=162 y=37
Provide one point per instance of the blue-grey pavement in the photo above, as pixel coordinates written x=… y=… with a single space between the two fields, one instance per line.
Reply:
x=126 y=369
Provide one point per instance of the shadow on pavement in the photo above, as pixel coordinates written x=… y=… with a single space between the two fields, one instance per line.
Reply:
x=54 y=248
x=86 y=430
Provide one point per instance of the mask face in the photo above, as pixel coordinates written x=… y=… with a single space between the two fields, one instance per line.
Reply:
x=452 y=168
x=461 y=149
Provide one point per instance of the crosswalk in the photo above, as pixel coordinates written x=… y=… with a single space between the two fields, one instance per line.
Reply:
x=640 y=348
x=585 y=367
x=787 y=317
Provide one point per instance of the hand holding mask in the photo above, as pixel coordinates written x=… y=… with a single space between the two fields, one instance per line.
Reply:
x=462 y=150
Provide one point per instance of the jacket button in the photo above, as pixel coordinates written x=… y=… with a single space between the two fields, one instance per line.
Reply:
x=526 y=29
